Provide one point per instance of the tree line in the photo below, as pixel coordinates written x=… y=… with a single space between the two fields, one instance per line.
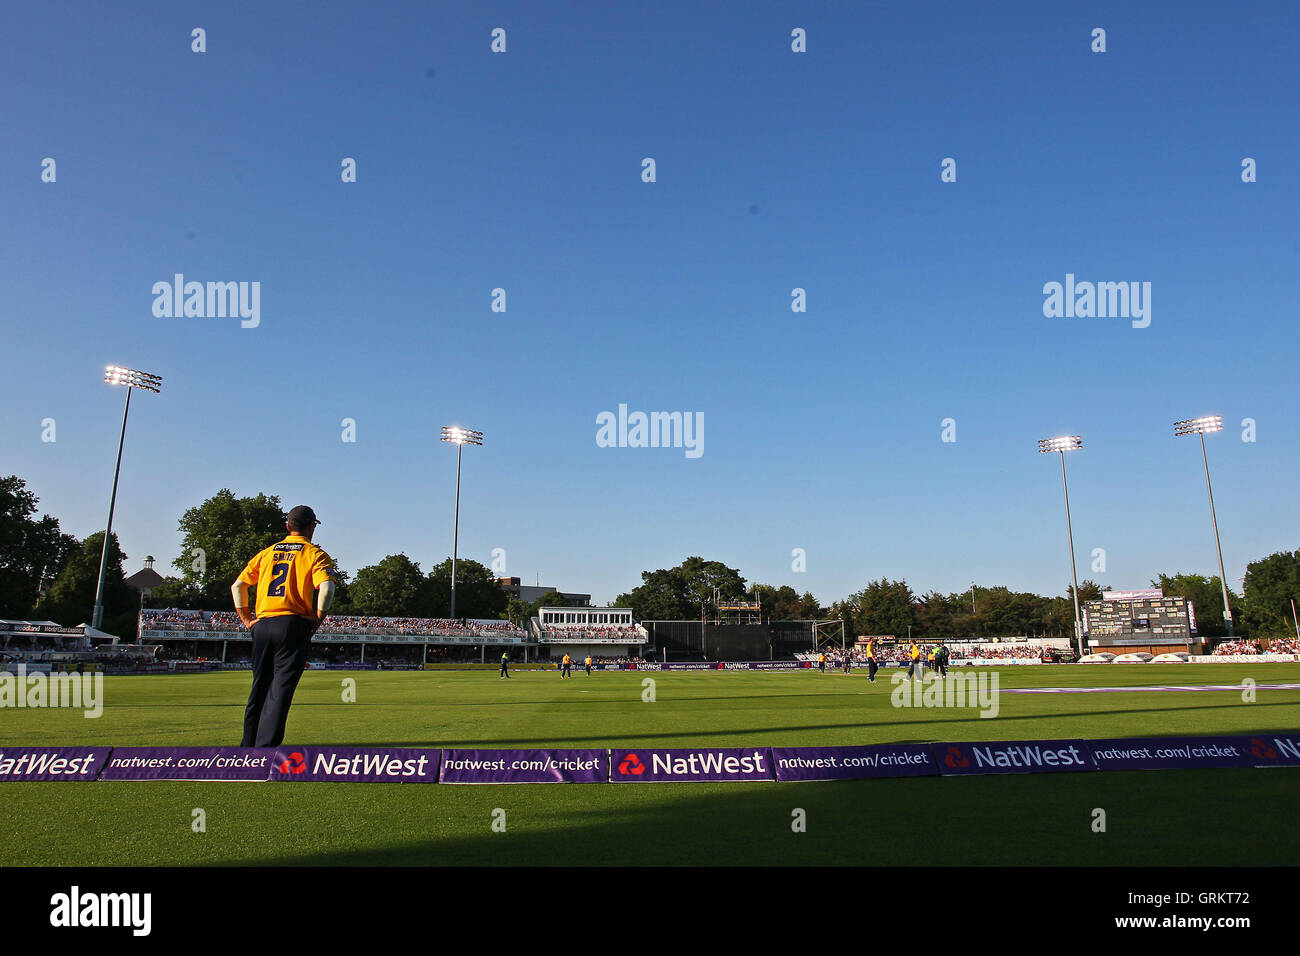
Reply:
x=46 y=574
x=891 y=607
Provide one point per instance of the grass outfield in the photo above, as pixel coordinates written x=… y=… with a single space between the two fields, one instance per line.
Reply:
x=1218 y=817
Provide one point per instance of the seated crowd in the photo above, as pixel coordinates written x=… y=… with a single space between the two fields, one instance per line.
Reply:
x=1015 y=652
x=902 y=652
x=176 y=620
x=1278 y=645
x=1236 y=647
x=599 y=632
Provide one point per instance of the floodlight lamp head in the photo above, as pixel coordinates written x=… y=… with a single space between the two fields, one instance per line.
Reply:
x=1062 y=444
x=461 y=436
x=132 y=378
x=1199 y=426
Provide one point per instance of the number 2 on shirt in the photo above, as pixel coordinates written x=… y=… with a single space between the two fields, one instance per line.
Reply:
x=279 y=572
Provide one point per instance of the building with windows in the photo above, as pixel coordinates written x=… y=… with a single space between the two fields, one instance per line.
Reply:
x=602 y=632
x=530 y=593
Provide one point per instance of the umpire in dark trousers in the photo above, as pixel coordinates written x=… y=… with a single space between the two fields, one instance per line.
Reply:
x=288 y=575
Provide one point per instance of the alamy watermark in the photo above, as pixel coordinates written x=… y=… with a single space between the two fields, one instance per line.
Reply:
x=1102 y=300
x=84 y=691
x=652 y=430
x=210 y=300
x=976 y=690
x=76 y=908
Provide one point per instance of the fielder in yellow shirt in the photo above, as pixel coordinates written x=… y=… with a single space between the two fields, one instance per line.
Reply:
x=289 y=609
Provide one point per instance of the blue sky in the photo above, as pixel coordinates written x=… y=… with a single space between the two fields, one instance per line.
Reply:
x=775 y=170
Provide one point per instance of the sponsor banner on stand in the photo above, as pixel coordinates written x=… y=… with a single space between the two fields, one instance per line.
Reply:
x=178 y=634
x=1273 y=750
x=854 y=763
x=690 y=765
x=1013 y=756
x=1169 y=753
x=524 y=766
x=779 y=665
x=1243 y=658
x=356 y=764
x=993 y=661
x=1144 y=594
x=51 y=763
x=188 y=763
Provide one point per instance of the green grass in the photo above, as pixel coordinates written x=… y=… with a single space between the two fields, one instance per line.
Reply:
x=1223 y=817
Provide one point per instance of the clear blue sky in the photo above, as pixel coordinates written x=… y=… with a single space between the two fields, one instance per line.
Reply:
x=775 y=170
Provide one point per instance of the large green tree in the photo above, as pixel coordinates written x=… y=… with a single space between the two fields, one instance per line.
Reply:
x=1272 y=583
x=936 y=616
x=1089 y=590
x=31 y=549
x=680 y=593
x=1206 y=595
x=395 y=587
x=784 y=603
x=882 y=607
x=704 y=579
x=71 y=599
x=662 y=596
x=478 y=593
x=343 y=585
x=220 y=536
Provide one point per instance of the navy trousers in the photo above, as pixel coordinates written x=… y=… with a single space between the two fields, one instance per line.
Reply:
x=280 y=648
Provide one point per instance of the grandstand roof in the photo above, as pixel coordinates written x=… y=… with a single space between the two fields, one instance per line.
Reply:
x=144 y=580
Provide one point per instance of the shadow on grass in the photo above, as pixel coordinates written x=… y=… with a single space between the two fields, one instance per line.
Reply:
x=989 y=730
x=988 y=821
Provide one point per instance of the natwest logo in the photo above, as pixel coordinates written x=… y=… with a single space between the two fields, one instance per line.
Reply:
x=1262 y=750
x=671 y=766
x=631 y=764
x=1276 y=749
x=296 y=763
x=1030 y=756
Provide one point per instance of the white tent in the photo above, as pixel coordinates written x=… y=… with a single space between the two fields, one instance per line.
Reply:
x=95 y=634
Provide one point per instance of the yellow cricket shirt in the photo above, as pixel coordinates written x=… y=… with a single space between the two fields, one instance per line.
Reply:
x=290 y=570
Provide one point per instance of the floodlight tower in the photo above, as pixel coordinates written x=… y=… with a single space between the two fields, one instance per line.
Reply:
x=132 y=379
x=1199 y=426
x=1063 y=444
x=459 y=437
